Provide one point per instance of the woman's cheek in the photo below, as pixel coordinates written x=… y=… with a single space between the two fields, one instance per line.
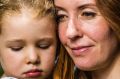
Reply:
x=62 y=34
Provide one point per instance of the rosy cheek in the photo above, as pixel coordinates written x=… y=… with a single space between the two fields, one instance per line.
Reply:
x=62 y=35
x=100 y=34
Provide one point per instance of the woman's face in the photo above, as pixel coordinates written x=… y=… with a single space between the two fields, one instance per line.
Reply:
x=28 y=46
x=85 y=33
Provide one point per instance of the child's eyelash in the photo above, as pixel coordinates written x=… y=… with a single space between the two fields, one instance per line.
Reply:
x=16 y=48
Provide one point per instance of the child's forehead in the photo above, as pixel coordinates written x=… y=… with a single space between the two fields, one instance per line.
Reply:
x=24 y=18
x=25 y=21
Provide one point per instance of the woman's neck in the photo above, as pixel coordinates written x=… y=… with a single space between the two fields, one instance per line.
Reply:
x=110 y=72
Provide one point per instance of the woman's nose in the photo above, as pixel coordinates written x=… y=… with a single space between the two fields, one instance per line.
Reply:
x=72 y=30
x=32 y=56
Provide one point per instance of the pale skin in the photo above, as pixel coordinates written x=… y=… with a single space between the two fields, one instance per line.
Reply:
x=28 y=45
x=88 y=38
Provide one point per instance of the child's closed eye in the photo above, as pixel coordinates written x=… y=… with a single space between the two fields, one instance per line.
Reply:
x=43 y=44
x=16 y=45
x=16 y=48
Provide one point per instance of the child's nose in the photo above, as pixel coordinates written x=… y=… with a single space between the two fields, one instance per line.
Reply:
x=32 y=56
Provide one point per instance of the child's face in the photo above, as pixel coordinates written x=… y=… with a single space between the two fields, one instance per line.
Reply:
x=27 y=46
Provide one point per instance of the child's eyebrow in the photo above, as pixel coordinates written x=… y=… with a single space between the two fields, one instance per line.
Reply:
x=15 y=41
x=49 y=39
x=22 y=40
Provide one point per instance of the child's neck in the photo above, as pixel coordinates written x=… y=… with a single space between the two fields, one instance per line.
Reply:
x=110 y=72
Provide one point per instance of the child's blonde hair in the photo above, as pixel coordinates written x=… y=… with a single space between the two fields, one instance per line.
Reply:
x=41 y=7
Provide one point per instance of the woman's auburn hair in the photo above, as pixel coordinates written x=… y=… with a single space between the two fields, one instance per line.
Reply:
x=110 y=10
x=64 y=68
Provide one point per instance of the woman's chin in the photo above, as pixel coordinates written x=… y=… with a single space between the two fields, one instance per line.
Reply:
x=86 y=66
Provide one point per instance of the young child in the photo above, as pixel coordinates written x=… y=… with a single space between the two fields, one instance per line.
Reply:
x=28 y=40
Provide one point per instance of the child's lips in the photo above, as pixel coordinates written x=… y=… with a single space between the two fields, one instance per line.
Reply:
x=33 y=73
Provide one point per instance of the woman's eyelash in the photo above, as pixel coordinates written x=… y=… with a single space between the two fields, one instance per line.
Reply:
x=61 y=18
x=87 y=15
x=92 y=14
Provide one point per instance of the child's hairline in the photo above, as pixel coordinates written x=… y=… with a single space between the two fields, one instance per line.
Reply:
x=43 y=11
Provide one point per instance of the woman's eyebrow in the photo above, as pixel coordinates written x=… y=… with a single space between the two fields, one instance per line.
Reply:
x=83 y=6
x=86 y=6
x=59 y=8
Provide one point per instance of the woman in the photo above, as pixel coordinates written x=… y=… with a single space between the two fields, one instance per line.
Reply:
x=90 y=32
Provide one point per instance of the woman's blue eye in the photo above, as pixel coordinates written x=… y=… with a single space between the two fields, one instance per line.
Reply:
x=61 y=18
x=88 y=15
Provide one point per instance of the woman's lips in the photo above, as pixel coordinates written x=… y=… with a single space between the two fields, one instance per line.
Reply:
x=33 y=73
x=81 y=50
